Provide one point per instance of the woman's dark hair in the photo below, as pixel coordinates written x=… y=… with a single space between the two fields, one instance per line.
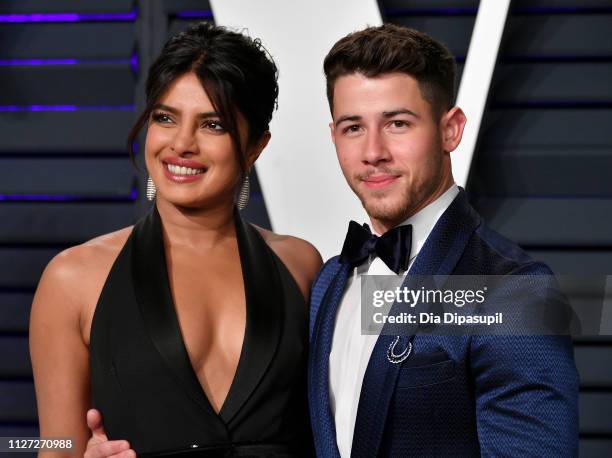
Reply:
x=236 y=71
x=391 y=48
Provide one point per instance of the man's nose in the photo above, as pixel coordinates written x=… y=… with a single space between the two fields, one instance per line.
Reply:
x=375 y=148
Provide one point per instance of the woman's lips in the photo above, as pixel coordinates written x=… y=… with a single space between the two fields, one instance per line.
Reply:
x=379 y=181
x=181 y=171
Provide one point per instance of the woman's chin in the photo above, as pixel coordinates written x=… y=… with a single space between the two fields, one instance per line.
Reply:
x=191 y=202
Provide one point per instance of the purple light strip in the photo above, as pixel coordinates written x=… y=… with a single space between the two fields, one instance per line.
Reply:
x=134 y=63
x=66 y=198
x=68 y=17
x=194 y=14
x=14 y=108
x=70 y=197
x=36 y=62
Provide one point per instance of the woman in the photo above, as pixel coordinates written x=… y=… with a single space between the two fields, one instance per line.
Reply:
x=189 y=329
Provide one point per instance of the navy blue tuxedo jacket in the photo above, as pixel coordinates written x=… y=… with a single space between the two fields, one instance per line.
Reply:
x=454 y=395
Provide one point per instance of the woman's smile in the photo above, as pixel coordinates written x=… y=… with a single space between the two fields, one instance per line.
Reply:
x=181 y=170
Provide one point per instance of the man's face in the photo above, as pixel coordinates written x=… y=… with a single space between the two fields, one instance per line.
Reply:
x=390 y=147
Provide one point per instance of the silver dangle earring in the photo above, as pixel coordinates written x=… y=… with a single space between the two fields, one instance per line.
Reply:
x=151 y=189
x=243 y=196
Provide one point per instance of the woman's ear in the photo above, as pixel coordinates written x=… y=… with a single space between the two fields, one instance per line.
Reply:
x=256 y=149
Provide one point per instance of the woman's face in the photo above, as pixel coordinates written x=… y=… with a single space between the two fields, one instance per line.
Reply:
x=189 y=154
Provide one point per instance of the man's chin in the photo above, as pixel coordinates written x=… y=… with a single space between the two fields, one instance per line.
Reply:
x=384 y=212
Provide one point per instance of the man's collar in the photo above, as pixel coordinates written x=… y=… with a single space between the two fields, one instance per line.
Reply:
x=425 y=219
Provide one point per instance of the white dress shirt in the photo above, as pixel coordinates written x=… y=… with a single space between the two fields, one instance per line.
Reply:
x=351 y=350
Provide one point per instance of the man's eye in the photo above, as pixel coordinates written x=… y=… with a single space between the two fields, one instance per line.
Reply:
x=397 y=123
x=352 y=128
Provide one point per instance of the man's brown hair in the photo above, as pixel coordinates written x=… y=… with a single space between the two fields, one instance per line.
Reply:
x=391 y=48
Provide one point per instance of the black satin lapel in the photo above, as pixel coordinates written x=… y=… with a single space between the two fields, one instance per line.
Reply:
x=151 y=285
x=448 y=238
x=439 y=255
x=264 y=316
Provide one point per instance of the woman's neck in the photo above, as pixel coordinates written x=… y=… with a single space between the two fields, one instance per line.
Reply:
x=196 y=228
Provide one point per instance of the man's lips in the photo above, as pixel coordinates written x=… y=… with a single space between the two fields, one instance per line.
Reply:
x=379 y=181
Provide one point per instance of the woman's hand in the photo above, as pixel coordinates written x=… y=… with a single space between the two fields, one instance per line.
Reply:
x=99 y=446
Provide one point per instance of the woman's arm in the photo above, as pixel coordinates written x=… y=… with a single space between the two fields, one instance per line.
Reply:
x=60 y=357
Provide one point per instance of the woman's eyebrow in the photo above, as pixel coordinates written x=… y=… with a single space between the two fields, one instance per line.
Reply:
x=206 y=114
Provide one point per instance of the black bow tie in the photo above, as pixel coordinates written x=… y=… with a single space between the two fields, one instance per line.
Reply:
x=393 y=247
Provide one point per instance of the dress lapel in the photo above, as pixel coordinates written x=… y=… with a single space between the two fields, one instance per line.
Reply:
x=264 y=298
x=439 y=255
x=264 y=312
x=151 y=286
x=323 y=424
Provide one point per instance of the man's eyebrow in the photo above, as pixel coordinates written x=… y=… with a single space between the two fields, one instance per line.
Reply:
x=344 y=118
x=207 y=114
x=399 y=111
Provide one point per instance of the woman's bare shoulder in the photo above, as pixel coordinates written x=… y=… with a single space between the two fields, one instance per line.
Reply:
x=300 y=256
x=74 y=277
x=89 y=257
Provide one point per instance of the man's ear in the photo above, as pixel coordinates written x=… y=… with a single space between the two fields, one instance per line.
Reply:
x=332 y=131
x=451 y=128
x=256 y=149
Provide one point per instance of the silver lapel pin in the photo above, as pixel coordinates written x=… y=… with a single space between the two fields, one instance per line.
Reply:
x=398 y=359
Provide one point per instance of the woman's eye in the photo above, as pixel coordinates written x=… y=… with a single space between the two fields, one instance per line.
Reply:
x=213 y=125
x=161 y=118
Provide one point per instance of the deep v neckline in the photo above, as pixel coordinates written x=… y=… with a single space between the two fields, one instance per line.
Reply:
x=263 y=299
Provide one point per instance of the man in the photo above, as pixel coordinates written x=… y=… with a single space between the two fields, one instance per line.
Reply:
x=391 y=92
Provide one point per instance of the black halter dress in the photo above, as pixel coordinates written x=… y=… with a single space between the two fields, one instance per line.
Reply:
x=141 y=377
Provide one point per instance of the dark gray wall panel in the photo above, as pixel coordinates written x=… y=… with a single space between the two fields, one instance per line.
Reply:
x=110 y=177
x=595 y=448
x=65 y=132
x=559 y=82
x=22 y=267
x=547 y=127
x=15 y=311
x=62 y=223
x=85 y=84
x=17 y=401
x=552 y=222
x=529 y=172
x=551 y=35
x=67 y=40
x=576 y=262
x=175 y=6
x=454 y=31
x=15 y=362
x=595 y=408
x=594 y=364
x=65 y=6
